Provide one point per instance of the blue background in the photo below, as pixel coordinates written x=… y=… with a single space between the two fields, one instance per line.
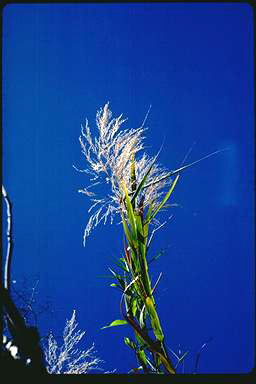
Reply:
x=194 y=64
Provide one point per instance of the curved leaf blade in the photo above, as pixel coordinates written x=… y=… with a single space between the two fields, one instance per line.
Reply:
x=165 y=198
x=115 y=323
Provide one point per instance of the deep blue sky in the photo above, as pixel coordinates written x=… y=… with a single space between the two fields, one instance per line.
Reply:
x=194 y=64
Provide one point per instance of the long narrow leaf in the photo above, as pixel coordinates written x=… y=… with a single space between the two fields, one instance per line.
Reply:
x=140 y=186
x=115 y=323
x=178 y=170
x=154 y=319
x=130 y=343
x=146 y=223
x=133 y=179
x=127 y=233
x=130 y=213
x=165 y=198
x=119 y=278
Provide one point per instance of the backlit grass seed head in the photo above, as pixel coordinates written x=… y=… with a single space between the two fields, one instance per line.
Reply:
x=109 y=157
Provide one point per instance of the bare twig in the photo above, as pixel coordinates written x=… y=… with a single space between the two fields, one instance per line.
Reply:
x=156 y=229
x=199 y=354
x=159 y=277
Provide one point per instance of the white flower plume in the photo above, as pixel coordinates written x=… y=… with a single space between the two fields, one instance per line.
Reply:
x=67 y=359
x=109 y=158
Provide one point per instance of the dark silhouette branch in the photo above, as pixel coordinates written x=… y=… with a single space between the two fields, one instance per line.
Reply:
x=7 y=267
x=26 y=338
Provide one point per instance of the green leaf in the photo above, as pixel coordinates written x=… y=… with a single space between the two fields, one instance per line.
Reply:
x=115 y=323
x=141 y=317
x=178 y=170
x=119 y=278
x=142 y=255
x=146 y=223
x=127 y=233
x=133 y=178
x=154 y=319
x=165 y=198
x=144 y=180
x=122 y=264
x=141 y=184
x=134 y=307
x=142 y=357
x=130 y=214
x=140 y=236
x=132 y=244
x=140 y=341
x=130 y=343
